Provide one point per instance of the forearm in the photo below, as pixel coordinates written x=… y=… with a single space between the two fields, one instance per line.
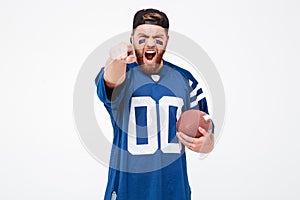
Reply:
x=114 y=74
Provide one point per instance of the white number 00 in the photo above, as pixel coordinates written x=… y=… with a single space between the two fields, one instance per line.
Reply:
x=151 y=115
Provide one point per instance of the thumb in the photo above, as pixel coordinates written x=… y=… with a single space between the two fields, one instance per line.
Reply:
x=202 y=130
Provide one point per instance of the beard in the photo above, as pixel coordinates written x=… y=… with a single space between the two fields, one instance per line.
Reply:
x=149 y=65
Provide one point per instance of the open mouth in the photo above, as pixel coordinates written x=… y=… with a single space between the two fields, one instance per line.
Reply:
x=150 y=54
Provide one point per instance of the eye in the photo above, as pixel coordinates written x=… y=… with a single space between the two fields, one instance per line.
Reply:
x=159 y=42
x=141 y=41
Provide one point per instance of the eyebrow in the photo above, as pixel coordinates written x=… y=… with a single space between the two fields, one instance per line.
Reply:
x=142 y=34
x=145 y=35
x=159 y=35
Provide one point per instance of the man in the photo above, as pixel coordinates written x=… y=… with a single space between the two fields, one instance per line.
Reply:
x=145 y=96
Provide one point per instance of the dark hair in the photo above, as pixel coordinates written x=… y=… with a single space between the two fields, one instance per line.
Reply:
x=151 y=16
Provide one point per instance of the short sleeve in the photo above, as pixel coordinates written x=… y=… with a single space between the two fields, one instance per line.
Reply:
x=197 y=97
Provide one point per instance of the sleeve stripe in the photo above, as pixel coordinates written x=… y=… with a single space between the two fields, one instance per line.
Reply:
x=193 y=83
x=195 y=96
x=199 y=97
x=196 y=91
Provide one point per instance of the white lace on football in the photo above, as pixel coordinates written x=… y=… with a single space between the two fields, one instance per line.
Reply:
x=206 y=117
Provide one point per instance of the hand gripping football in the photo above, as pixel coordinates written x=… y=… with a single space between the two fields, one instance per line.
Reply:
x=190 y=120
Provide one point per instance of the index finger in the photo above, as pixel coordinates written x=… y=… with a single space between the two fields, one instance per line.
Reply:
x=186 y=137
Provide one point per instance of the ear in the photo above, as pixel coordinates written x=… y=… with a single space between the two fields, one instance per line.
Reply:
x=168 y=37
x=131 y=36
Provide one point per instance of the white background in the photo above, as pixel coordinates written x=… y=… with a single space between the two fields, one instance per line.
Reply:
x=254 y=44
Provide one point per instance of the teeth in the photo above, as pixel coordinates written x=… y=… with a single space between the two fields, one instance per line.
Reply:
x=150 y=51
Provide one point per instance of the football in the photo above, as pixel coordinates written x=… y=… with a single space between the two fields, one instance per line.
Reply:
x=190 y=120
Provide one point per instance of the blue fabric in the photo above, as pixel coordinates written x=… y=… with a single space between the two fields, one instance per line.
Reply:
x=155 y=173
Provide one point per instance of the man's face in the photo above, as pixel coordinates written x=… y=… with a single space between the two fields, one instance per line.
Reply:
x=149 y=42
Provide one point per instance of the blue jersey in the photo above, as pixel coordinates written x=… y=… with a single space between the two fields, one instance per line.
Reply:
x=147 y=161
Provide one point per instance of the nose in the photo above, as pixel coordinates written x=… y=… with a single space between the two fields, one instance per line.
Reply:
x=150 y=43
